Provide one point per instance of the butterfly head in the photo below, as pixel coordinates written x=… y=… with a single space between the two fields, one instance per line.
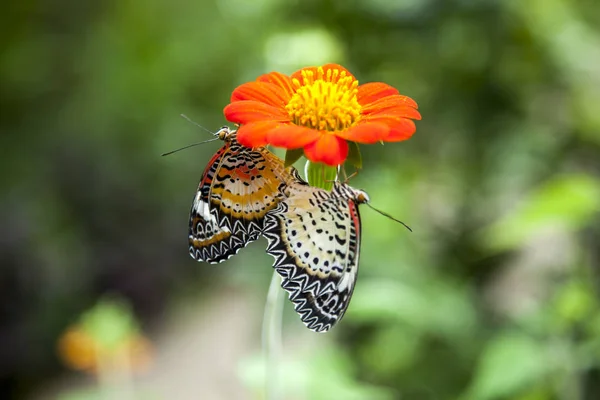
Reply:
x=357 y=195
x=360 y=196
x=226 y=134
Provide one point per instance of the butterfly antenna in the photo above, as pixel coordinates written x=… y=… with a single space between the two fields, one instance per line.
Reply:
x=389 y=216
x=352 y=175
x=190 y=145
x=197 y=124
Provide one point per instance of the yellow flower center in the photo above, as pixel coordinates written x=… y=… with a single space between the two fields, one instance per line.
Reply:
x=325 y=101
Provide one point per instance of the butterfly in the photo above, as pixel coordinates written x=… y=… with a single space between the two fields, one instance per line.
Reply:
x=314 y=236
x=239 y=186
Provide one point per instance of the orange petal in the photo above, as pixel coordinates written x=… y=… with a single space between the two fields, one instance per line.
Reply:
x=399 y=128
x=78 y=349
x=292 y=136
x=255 y=134
x=280 y=80
x=264 y=92
x=332 y=66
x=246 y=111
x=402 y=130
x=328 y=149
x=370 y=92
x=396 y=105
x=408 y=101
x=326 y=67
x=367 y=132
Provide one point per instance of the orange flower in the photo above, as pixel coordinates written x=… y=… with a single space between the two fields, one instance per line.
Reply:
x=81 y=351
x=319 y=109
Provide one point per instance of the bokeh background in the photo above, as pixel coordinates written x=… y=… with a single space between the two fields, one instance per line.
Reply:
x=494 y=295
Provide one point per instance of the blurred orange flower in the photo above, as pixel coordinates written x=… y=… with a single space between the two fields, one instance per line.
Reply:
x=81 y=351
x=319 y=109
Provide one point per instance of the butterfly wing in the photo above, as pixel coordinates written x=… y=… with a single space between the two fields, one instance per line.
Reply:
x=238 y=187
x=208 y=241
x=248 y=184
x=314 y=237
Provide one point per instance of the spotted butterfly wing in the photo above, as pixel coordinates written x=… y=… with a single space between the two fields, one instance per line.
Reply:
x=238 y=187
x=314 y=237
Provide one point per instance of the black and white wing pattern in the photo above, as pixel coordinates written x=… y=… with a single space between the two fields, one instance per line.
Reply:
x=314 y=237
x=238 y=187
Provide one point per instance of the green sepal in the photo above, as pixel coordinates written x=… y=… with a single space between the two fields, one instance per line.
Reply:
x=293 y=155
x=354 y=156
x=321 y=175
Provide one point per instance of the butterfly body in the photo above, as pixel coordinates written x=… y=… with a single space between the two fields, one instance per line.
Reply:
x=314 y=237
x=238 y=187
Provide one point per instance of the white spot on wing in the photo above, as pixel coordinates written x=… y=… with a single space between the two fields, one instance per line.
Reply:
x=203 y=209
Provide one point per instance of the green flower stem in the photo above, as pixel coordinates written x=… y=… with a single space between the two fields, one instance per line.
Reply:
x=320 y=175
x=271 y=338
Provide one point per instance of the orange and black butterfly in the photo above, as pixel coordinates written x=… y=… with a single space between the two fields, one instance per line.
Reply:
x=238 y=187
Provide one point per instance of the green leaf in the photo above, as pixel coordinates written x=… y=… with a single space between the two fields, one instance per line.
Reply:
x=568 y=202
x=575 y=302
x=354 y=156
x=434 y=307
x=319 y=374
x=379 y=357
x=510 y=364
x=321 y=175
x=293 y=155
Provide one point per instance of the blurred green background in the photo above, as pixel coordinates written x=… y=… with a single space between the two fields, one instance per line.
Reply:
x=494 y=295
